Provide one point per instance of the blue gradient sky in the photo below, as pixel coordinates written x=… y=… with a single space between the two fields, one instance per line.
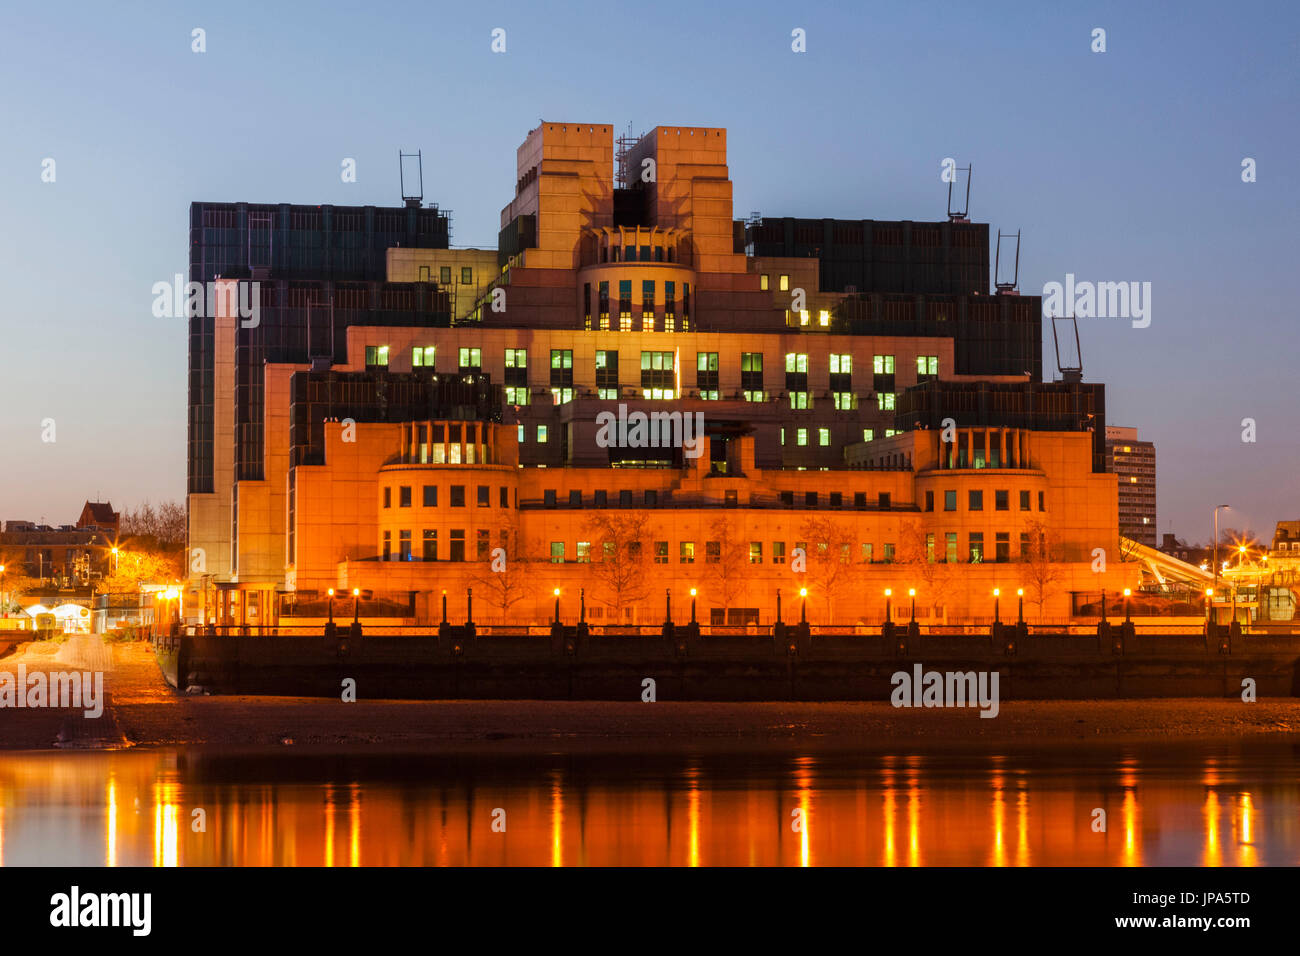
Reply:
x=1116 y=166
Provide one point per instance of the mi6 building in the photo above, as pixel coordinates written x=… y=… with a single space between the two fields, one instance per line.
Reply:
x=634 y=399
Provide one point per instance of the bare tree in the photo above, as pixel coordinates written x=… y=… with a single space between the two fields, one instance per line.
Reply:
x=928 y=570
x=619 y=569
x=1041 y=568
x=167 y=525
x=728 y=571
x=508 y=577
x=831 y=569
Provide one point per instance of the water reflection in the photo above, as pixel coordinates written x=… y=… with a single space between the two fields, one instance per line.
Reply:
x=175 y=809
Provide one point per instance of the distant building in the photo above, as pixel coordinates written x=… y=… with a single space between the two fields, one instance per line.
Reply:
x=1191 y=553
x=1286 y=541
x=100 y=514
x=1134 y=462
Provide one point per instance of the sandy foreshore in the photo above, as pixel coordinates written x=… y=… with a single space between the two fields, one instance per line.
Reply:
x=144 y=711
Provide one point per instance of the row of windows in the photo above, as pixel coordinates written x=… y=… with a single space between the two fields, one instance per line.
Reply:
x=444 y=275
x=841 y=364
x=689 y=553
x=456 y=498
x=428 y=550
x=975 y=500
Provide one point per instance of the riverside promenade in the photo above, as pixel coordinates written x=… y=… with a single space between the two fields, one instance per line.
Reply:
x=681 y=665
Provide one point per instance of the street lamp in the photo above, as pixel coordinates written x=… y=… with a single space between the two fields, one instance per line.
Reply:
x=4 y=605
x=803 y=606
x=693 y=605
x=1127 y=608
x=1020 y=605
x=356 y=605
x=997 y=597
x=1216 y=545
x=1209 y=602
x=556 y=592
x=911 y=592
x=889 y=604
x=330 y=592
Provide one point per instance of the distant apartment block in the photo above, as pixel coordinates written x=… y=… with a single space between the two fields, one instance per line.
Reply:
x=1134 y=463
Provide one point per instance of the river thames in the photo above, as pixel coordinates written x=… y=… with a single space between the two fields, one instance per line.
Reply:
x=1105 y=805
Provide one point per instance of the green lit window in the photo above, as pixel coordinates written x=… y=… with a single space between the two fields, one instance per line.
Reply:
x=802 y=436
x=883 y=364
x=823 y=437
x=886 y=401
x=377 y=355
x=422 y=357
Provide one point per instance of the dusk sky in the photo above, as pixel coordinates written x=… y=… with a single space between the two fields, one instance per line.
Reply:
x=1117 y=166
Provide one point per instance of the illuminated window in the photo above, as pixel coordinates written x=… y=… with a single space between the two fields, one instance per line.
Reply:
x=801 y=436
x=824 y=437
x=927 y=365
x=883 y=364
x=796 y=362
x=841 y=364
x=541 y=434
x=868 y=434
x=785 y=283
x=762 y=282
x=377 y=356
x=423 y=357
x=686 y=552
x=466 y=275
x=885 y=400
x=823 y=318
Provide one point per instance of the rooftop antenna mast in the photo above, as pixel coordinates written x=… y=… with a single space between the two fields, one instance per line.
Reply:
x=625 y=144
x=960 y=215
x=417 y=197
x=1069 y=373
x=1006 y=288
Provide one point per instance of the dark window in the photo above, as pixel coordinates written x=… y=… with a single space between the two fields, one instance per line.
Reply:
x=731 y=498
x=548 y=497
x=1002 y=544
x=444 y=275
x=431 y=496
x=810 y=499
x=458 y=496
x=1040 y=502
x=484 y=496
x=859 y=499
x=388 y=497
x=651 y=498
x=929 y=501
x=404 y=546
x=602 y=498
x=950 y=501
x=466 y=275
x=837 y=499
x=882 y=501
x=1001 y=501
x=430 y=544
x=975 y=501
x=505 y=497
x=625 y=499
x=482 y=543
x=607 y=373
x=1024 y=501
x=787 y=498
x=404 y=496
x=575 y=499
x=458 y=544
